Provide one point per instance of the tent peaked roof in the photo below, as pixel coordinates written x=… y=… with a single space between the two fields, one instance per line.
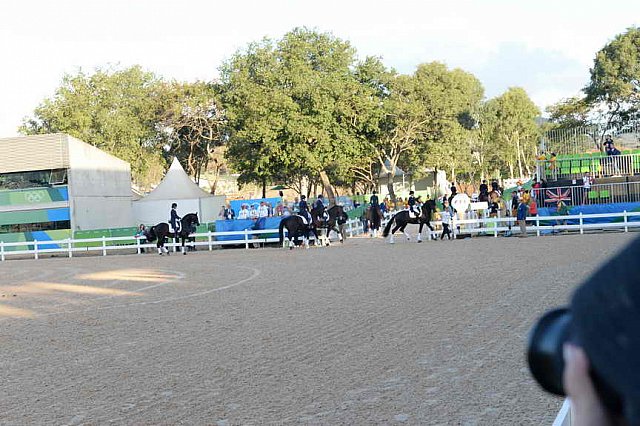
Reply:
x=176 y=185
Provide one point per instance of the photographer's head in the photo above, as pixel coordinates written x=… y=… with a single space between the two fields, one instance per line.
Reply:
x=595 y=344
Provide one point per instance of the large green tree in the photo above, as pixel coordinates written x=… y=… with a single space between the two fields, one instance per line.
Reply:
x=193 y=122
x=422 y=124
x=516 y=130
x=612 y=96
x=114 y=110
x=295 y=108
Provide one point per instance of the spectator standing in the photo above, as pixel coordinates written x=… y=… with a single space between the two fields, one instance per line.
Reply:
x=141 y=235
x=514 y=202
x=286 y=212
x=522 y=218
x=263 y=210
x=445 y=217
x=253 y=212
x=244 y=213
x=484 y=188
x=587 y=181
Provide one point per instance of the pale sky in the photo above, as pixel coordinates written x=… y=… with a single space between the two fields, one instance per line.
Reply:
x=544 y=46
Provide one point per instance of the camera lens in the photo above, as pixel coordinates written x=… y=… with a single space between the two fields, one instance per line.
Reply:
x=545 y=349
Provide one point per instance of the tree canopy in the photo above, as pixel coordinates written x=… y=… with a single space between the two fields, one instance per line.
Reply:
x=302 y=111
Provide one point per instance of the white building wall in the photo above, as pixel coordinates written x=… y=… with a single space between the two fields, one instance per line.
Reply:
x=153 y=212
x=99 y=188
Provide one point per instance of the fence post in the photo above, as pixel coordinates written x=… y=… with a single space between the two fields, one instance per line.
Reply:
x=104 y=245
x=351 y=228
x=35 y=248
x=246 y=239
x=138 y=245
x=537 y=225
x=626 y=225
x=69 y=247
x=581 y=222
x=453 y=225
x=2 y=250
x=209 y=239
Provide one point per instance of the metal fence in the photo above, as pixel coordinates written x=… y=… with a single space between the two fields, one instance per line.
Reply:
x=598 y=164
x=581 y=139
x=577 y=195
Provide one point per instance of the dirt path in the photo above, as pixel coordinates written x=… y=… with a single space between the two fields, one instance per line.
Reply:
x=365 y=333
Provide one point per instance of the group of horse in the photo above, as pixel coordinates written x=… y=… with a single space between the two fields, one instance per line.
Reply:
x=321 y=219
x=322 y=222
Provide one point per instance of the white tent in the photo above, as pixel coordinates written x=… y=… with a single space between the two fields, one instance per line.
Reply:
x=177 y=187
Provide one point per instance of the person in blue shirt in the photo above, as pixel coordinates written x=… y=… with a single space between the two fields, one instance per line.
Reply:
x=523 y=209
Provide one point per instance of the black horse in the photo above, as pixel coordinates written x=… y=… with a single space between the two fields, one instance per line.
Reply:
x=296 y=227
x=374 y=216
x=161 y=232
x=334 y=220
x=402 y=219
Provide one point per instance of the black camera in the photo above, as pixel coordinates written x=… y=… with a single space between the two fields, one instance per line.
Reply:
x=546 y=360
x=544 y=352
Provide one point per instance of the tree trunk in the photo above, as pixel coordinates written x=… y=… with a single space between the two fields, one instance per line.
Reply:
x=392 y=194
x=519 y=157
x=327 y=185
x=264 y=187
x=511 y=169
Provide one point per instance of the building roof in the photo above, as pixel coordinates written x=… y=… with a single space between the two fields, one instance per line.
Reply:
x=176 y=185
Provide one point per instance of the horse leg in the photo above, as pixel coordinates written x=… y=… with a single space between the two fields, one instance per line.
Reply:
x=406 y=234
x=393 y=231
x=419 y=236
x=183 y=247
x=159 y=246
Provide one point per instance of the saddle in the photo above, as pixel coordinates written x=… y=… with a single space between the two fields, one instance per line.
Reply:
x=413 y=214
x=304 y=219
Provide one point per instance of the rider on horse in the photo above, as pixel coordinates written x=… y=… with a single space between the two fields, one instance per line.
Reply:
x=373 y=201
x=318 y=205
x=412 y=205
x=303 y=208
x=175 y=221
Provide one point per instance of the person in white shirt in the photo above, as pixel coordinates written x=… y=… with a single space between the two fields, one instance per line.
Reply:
x=285 y=211
x=445 y=216
x=244 y=213
x=263 y=210
x=587 y=181
x=253 y=213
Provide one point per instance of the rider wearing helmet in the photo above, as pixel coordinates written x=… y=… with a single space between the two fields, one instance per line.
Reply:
x=412 y=205
x=373 y=201
x=175 y=221
x=318 y=205
x=303 y=208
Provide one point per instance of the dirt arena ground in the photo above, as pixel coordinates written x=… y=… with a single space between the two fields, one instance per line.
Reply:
x=366 y=333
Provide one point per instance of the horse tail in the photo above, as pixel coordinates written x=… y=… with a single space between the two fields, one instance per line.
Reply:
x=281 y=231
x=387 y=228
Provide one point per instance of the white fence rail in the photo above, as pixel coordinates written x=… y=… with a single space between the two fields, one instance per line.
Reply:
x=485 y=226
x=105 y=244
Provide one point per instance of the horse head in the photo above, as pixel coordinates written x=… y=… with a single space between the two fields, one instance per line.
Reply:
x=428 y=207
x=189 y=220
